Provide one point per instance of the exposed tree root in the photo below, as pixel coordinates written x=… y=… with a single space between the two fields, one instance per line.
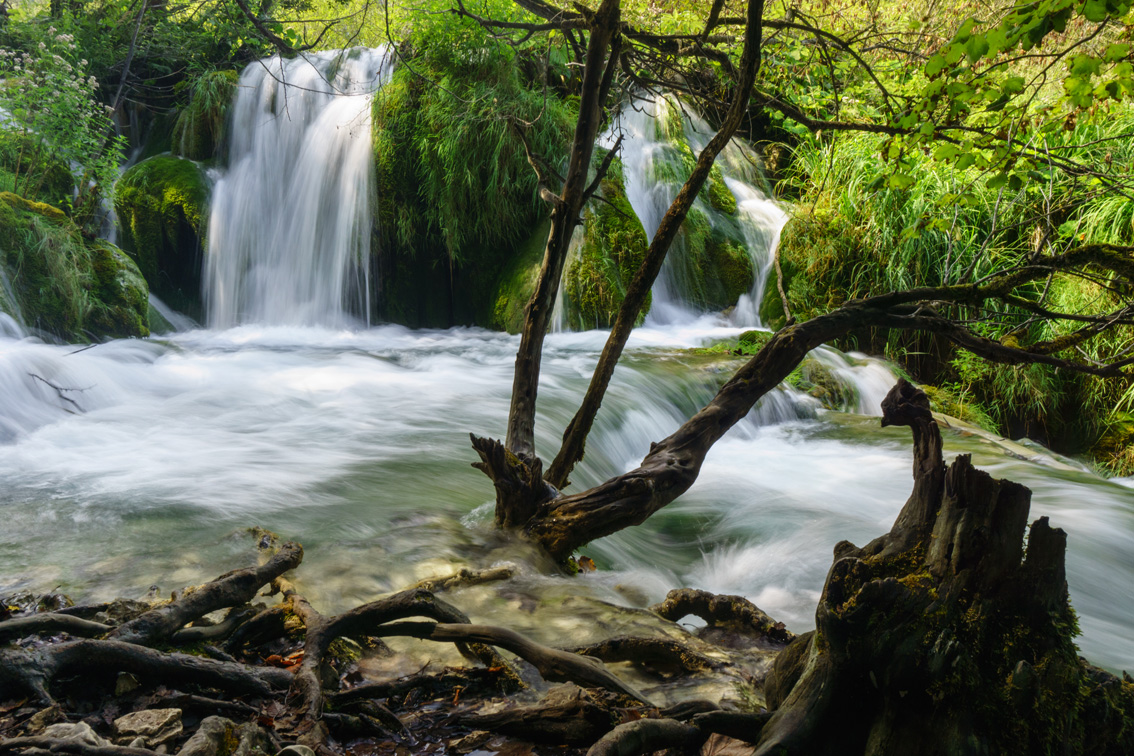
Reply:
x=662 y=654
x=554 y=665
x=49 y=623
x=734 y=613
x=67 y=745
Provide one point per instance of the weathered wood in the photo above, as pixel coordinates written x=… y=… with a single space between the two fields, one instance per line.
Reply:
x=662 y=654
x=646 y=736
x=575 y=435
x=553 y=665
x=734 y=613
x=233 y=589
x=32 y=670
x=930 y=642
x=50 y=622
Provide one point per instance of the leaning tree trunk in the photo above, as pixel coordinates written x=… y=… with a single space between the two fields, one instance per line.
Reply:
x=575 y=436
x=566 y=207
x=943 y=636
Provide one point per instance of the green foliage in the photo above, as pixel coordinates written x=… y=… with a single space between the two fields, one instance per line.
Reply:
x=49 y=95
x=455 y=190
x=518 y=281
x=200 y=126
x=68 y=287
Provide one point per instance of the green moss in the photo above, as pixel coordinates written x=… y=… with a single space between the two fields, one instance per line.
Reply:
x=65 y=285
x=613 y=249
x=161 y=204
x=200 y=126
x=518 y=281
x=948 y=402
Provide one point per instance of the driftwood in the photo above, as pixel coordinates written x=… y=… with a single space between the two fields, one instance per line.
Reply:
x=662 y=654
x=553 y=665
x=50 y=623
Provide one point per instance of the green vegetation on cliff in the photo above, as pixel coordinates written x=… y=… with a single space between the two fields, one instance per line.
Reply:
x=456 y=195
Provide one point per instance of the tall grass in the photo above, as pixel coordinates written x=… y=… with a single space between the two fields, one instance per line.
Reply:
x=849 y=239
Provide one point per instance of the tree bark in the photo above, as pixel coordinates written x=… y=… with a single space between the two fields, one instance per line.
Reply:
x=575 y=436
x=597 y=76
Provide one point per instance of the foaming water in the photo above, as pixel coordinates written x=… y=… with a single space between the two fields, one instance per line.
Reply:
x=289 y=228
x=355 y=442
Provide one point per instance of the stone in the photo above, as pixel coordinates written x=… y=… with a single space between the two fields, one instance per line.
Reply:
x=297 y=750
x=79 y=732
x=157 y=726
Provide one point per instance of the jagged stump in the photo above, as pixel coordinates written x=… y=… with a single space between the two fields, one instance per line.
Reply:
x=943 y=637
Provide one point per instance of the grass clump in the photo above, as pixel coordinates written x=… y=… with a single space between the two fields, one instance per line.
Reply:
x=456 y=196
x=199 y=130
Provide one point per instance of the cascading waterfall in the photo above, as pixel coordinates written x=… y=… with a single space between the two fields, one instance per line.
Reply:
x=289 y=229
x=650 y=161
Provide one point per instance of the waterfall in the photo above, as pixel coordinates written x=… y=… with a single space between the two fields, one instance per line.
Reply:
x=289 y=229
x=652 y=166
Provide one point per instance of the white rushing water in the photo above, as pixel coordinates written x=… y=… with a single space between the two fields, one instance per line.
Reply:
x=139 y=463
x=289 y=229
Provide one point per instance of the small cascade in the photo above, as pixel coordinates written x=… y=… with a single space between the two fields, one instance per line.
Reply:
x=289 y=230
x=657 y=142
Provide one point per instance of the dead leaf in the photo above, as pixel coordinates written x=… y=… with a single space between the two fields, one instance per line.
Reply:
x=719 y=745
x=586 y=564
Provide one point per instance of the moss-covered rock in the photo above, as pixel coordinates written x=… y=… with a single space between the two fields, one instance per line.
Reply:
x=614 y=247
x=518 y=281
x=162 y=204
x=65 y=285
x=714 y=267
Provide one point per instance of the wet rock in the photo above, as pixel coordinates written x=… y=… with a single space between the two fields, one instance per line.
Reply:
x=41 y=720
x=470 y=742
x=296 y=750
x=157 y=726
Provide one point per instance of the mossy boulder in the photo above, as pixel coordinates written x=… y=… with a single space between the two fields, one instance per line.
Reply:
x=518 y=281
x=614 y=247
x=713 y=265
x=64 y=285
x=162 y=204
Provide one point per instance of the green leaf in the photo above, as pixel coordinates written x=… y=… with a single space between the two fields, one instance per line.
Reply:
x=1117 y=52
x=1013 y=85
x=997 y=181
x=1095 y=10
x=900 y=181
x=935 y=65
x=976 y=48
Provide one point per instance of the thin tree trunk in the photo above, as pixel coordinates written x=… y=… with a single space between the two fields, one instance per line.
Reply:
x=564 y=217
x=575 y=437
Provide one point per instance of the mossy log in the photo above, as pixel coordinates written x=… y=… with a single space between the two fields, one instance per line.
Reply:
x=942 y=637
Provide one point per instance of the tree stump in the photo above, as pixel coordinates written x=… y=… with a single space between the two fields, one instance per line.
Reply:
x=943 y=636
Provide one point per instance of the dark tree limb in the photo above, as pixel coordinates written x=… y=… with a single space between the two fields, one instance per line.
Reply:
x=645 y=736
x=659 y=653
x=50 y=622
x=734 y=613
x=553 y=665
x=597 y=75
x=235 y=588
x=32 y=670
x=71 y=746
x=368 y=620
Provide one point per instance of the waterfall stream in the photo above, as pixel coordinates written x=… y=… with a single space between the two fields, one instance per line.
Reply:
x=289 y=230
x=143 y=462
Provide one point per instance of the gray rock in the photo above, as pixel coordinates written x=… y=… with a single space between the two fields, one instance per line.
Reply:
x=216 y=735
x=157 y=726
x=296 y=750
x=80 y=732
